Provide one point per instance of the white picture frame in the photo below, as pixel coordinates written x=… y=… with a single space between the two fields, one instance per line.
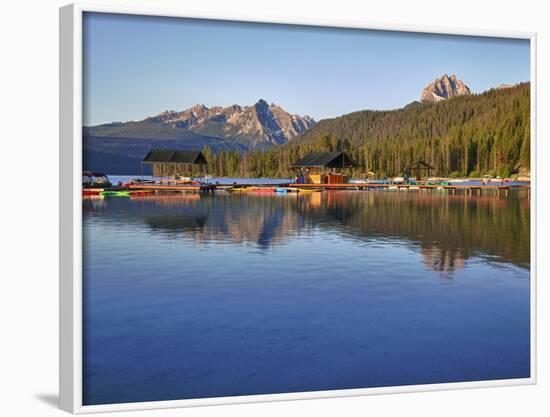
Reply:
x=70 y=152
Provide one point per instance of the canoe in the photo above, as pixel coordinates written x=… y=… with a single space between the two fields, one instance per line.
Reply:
x=239 y=189
x=309 y=190
x=281 y=190
x=263 y=190
x=115 y=193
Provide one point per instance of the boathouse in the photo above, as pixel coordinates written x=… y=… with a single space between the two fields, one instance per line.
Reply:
x=418 y=168
x=170 y=163
x=323 y=168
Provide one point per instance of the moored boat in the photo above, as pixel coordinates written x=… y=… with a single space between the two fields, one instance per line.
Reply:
x=140 y=192
x=239 y=189
x=263 y=190
x=115 y=193
x=91 y=191
x=309 y=190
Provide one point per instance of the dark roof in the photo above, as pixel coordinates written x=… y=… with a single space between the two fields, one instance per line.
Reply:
x=167 y=156
x=420 y=164
x=93 y=174
x=324 y=159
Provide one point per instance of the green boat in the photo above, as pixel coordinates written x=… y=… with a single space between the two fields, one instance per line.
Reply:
x=115 y=193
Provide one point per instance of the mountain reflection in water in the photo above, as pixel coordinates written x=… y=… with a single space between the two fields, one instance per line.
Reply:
x=193 y=296
x=446 y=229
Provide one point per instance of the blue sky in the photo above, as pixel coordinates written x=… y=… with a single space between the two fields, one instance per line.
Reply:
x=137 y=66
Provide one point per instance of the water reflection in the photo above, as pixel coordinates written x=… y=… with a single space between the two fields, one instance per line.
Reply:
x=444 y=261
x=446 y=230
x=193 y=296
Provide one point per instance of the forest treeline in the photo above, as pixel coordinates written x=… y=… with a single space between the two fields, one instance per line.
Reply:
x=474 y=135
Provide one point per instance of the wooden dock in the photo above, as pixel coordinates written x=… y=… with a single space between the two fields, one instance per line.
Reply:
x=410 y=187
x=210 y=188
x=204 y=188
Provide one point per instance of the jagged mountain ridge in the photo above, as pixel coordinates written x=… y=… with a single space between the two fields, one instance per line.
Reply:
x=119 y=147
x=261 y=125
x=444 y=88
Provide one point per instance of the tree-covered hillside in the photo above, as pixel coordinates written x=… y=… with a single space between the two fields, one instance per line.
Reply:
x=487 y=133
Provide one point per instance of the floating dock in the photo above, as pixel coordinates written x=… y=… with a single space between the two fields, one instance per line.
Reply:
x=175 y=187
x=210 y=188
x=406 y=187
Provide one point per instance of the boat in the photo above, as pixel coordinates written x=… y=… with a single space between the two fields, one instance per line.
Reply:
x=239 y=189
x=309 y=190
x=281 y=190
x=263 y=190
x=115 y=193
x=91 y=191
x=138 y=181
x=140 y=192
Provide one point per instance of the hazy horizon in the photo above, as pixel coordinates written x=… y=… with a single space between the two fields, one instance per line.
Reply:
x=138 y=66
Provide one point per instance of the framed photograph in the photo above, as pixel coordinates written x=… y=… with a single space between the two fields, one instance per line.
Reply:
x=260 y=210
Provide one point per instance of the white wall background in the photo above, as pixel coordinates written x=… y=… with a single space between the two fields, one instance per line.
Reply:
x=29 y=208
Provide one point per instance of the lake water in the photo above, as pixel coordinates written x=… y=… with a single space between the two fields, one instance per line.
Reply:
x=191 y=296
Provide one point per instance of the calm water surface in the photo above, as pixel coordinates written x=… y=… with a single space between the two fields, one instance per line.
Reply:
x=190 y=296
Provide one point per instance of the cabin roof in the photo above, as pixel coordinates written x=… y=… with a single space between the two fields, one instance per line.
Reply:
x=166 y=156
x=93 y=174
x=420 y=164
x=325 y=160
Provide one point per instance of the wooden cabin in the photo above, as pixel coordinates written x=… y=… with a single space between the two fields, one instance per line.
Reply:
x=418 y=168
x=323 y=168
x=175 y=164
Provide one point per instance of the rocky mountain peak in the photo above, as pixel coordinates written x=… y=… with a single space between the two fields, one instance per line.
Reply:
x=260 y=125
x=199 y=107
x=261 y=104
x=444 y=88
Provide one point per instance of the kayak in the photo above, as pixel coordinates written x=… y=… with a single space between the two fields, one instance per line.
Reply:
x=309 y=190
x=263 y=190
x=115 y=193
x=239 y=189
x=281 y=190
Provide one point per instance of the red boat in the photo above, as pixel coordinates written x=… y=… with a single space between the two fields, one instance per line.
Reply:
x=263 y=190
x=91 y=191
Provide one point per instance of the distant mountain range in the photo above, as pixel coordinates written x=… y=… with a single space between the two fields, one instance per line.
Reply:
x=120 y=146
